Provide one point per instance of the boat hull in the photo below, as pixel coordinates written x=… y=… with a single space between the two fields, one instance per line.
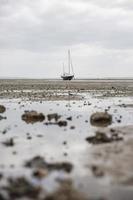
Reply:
x=67 y=77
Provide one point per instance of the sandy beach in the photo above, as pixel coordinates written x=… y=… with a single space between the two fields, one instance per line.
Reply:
x=66 y=140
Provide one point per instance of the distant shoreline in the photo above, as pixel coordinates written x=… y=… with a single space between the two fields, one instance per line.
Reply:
x=59 y=79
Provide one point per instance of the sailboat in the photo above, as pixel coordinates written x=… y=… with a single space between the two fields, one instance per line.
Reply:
x=68 y=75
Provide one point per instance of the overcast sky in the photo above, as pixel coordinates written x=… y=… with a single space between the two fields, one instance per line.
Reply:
x=35 y=36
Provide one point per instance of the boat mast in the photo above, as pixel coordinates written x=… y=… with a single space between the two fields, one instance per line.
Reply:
x=71 y=65
x=69 y=62
x=63 y=69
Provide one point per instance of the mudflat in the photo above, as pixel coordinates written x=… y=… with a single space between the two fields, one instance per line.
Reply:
x=50 y=89
x=66 y=140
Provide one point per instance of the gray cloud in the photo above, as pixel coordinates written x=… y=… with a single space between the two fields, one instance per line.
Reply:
x=24 y=26
x=31 y=28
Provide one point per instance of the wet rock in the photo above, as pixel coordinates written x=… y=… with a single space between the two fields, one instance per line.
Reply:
x=40 y=163
x=72 y=127
x=112 y=130
x=69 y=118
x=21 y=187
x=32 y=117
x=65 y=143
x=62 y=123
x=66 y=192
x=54 y=116
x=101 y=119
x=118 y=120
x=65 y=166
x=39 y=136
x=40 y=173
x=1 y=117
x=9 y=142
x=1 y=176
x=2 y=197
x=65 y=154
x=2 y=109
x=36 y=162
x=29 y=138
x=97 y=171
x=14 y=152
x=102 y=137
x=4 y=131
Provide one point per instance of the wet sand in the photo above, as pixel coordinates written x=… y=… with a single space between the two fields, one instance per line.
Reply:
x=50 y=147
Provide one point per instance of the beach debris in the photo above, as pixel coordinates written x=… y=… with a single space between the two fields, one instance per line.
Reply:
x=54 y=116
x=101 y=119
x=9 y=142
x=38 y=162
x=21 y=187
x=101 y=137
x=32 y=117
x=2 y=109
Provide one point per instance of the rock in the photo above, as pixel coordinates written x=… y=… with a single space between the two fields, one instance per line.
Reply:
x=97 y=171
x=66 y=192
x=21 y=187
x=100 y=138
x=65 y=143
x=54 y=116
x=39 y=163
x=2 y=109
x=1 y=176
x=69 y=118
x=1 y=117
x=40 y=173
x=72 y=127
x=62 y=123
x=9 y=143
x=101 y=119
x=36 y=162
x=32 y=117
x=65 y=166
x=2 y=197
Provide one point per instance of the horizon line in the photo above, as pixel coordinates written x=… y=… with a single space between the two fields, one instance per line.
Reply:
x=78 y=78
